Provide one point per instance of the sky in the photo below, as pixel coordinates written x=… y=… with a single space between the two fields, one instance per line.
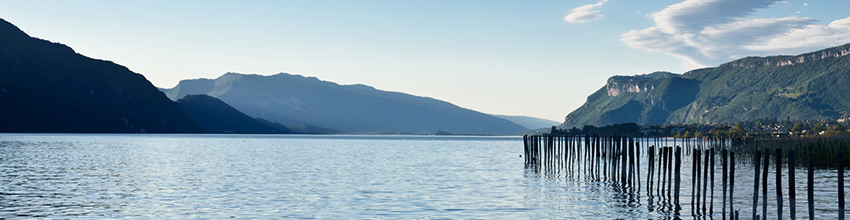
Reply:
x=533 y=58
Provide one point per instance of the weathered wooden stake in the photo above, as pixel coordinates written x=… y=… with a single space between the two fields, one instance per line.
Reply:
x=705 y=181
x=598 y=156
x=731 y=181
x=711 y=206
x=623 y=159
x=693 y=180
x=637 y=163
x=725 y=164
x=669 y=171
x=792 y=192
x=841 y=185
x=778 y=183
x=631 y=163
x=661 y=170
x=757 y=162
x=764 y=183
x=525 y=148
x=810 y=184
x=697 y=173
x=678 y=174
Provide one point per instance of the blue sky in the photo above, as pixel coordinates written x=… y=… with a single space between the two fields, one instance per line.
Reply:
x=535 y=58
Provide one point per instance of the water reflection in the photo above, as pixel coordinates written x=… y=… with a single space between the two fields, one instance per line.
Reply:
x=700 y=195
x=272 y=177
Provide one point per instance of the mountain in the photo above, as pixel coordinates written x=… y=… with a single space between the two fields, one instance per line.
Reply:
x=47 y=87
x=218 y=117
x=296 y=100
x=806 y=86
x=529 y=122
x=310 y=129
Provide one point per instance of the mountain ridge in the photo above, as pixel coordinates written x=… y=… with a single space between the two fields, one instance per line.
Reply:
x=804 y=86
x=52 y=88
x=296 y=99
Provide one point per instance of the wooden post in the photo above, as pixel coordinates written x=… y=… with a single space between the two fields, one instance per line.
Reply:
x=612 y=162
x=651 y=163
x=533 y=151
x=792 y=193
x=530 y=143
x=573 y=153
x=637 y=163
x=757 y=163
x=841 y=185
x=589 y=157
x=711 y=206
x=525 y=148
x=584 y=144
x=693 y=180
x=632 y=159
x=778 y=183
x=724 y=154
x=732 y=181
x=678 y=175
x=631 y=156
x=698 y=174
x=598 y=155
x=705 y=181
x=764 y=183
x=810 y=184
x=661 y=170
x=669 y=171
x=623 y=157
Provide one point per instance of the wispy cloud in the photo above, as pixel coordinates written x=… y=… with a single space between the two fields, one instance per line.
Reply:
x=810 y=36
x=709 y=32
x=586 y=13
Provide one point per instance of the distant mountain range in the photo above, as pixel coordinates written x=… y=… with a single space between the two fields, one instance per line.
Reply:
x=310 y=103
x=808 y=86
x=531 y=123
x=47 y=87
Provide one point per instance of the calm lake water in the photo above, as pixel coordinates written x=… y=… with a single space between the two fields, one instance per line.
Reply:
x=328 y=177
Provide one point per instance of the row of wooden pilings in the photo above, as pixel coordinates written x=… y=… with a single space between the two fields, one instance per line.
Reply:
x=616 y=160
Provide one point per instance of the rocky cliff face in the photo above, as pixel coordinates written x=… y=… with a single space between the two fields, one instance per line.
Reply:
x=775 y=61
x=617 y=85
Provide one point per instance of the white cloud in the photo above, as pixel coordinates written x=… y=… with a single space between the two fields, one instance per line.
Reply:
x=809 y=37
x=710 y=32
x=586 y=13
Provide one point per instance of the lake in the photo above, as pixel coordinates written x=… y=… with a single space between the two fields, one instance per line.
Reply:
x=317 y=176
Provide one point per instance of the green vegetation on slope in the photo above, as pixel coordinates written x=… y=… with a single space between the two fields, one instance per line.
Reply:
x=805 y=87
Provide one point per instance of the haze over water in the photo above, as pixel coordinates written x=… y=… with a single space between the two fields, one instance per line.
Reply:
x=332 y=177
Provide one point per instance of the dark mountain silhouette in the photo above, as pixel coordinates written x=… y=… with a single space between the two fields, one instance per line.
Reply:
x=47 y=87
x=218 y=117
x=807 y=86
x=296 y=100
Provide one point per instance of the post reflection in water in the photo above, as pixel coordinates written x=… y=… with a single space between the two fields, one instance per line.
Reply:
x=617 y=166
